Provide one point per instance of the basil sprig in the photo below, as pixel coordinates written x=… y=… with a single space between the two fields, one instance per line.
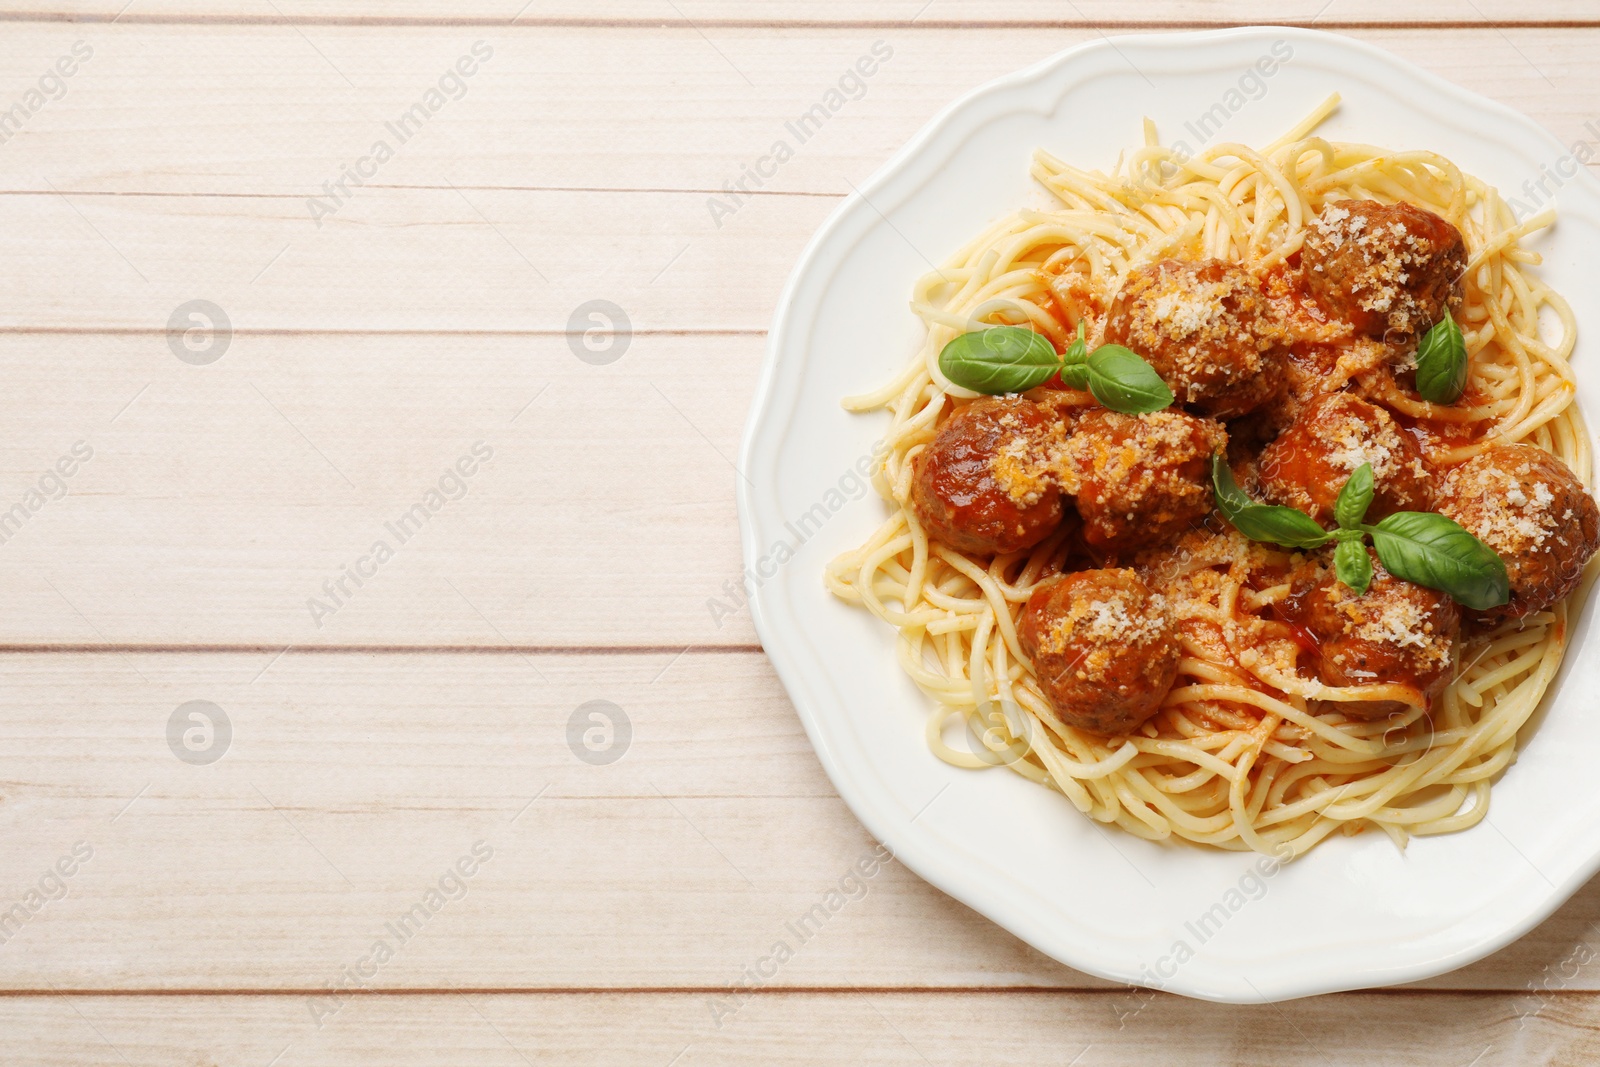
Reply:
x=1419 y=546
x=1352 y=565
x=1120 y=380
x=1354 y=499
x=1433 y=551
x=1002 y=359
x=1442 y=363
x=1011 y=359
x=1288 y=527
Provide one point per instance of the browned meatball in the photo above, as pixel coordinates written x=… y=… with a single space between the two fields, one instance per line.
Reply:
x=1104 y=649
x=1208 y=331
x=1395 y=632
x=1140 y=479
x=980 y=486
x=1528 y=506
x=1386 y=269
x=1332 y=435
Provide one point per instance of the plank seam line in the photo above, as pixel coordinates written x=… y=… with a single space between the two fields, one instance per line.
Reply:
x=759 y=991
x=132 y=193
x=554 y=798
x=535 y=23
x=314 y=331
x=433 y=650
x=620 y=190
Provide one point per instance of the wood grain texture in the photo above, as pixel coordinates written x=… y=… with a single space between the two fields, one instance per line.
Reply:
x=225 y=496
x=966 y=13
x=352 y=783
x=563 y=174
x=222 y=500
x=877 y=1028
x=368 y=355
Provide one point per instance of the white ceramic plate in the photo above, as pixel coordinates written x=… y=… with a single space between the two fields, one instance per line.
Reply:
x=1354 y=912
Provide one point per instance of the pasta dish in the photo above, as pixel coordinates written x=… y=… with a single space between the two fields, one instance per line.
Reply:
x=1237 y=497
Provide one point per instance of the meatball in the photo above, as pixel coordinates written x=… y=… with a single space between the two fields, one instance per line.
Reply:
x=1140 y=479
x=1386 y=269
x=1104 y=649
x=1332 y=435
x=1395 y=632
x=1207 y=329
x=1528 y=506
x=979 y=487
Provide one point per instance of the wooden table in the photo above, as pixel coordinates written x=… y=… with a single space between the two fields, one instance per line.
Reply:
x=411 y=754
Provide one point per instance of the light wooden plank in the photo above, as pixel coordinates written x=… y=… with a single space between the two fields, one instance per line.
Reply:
x=1201 y=12
x=351 y=783
x=215 y=879
x=873 y=1028
x=249 y=109
x=221 y=501
x=416 y=259
x=488 y=218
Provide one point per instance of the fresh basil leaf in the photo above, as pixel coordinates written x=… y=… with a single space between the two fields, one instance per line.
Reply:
x=1434 y=551
x=1123 y=382
x=1442 y=363
x=1352 y=565
x=1076 y=375
x=1354 y=499
x=1078 y=350
x=1262 y=522
x=1001 y=359
x=1288 y=527
x=1230 y=498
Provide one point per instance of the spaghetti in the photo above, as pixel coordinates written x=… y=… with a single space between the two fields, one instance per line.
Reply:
x=1247 y=751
